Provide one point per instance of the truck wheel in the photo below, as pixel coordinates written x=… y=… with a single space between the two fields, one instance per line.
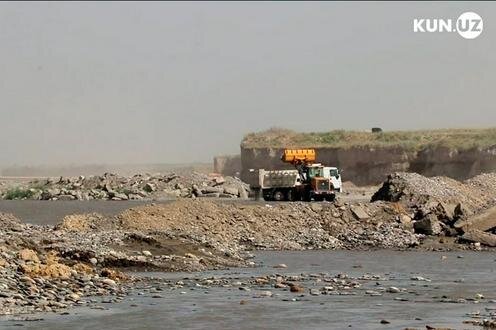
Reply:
x=331 y=198
x=292 y=196
x=257 y=194
x=278 y=196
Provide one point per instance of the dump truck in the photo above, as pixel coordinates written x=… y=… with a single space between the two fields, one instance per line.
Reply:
x=309 y=181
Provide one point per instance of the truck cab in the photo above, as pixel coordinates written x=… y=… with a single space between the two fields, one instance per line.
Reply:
x=324 y=181
x=335 y=176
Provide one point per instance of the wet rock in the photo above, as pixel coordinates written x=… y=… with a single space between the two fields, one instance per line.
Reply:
x=109 y=281
x=296 y=288
x=314 y=292
x=393 y=289
x=281 y=266
x=265 y=294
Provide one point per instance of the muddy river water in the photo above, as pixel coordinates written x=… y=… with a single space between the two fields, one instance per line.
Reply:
x=451 y=276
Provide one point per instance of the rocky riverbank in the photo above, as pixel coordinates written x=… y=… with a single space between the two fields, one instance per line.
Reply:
x=49 y=268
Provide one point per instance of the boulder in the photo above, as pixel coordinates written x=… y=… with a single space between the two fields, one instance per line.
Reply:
x=108 y=188
x=406 y=222
x=219 y=180
x=483 y=221
x=447 y=211
x=149 y=187
x=480 y=237
x=461 y=210
x=359 y=213
x=231 y=190
x=120 y=196
x=209 y=190
x=196 y=191
x=242 y=193
x=429 y=225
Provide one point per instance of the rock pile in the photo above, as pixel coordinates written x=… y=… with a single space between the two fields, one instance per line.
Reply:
x=443 y=206
x=32 y=279
x=284 y=226
x=49 y=268
x=140 y=186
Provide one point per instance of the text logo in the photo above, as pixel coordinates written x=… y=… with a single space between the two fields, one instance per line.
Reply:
x=469 y=25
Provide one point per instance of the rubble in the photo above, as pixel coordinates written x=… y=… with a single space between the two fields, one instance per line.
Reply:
x=35 y=280
x=443 y=206
x=283 y=226
x=140 y=186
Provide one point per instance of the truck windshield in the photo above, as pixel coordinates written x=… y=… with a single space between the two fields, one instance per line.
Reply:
x=315 y=172
x=333 y=172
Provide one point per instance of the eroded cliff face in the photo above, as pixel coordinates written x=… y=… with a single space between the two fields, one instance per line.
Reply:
x=227 y=165
x=370 y=165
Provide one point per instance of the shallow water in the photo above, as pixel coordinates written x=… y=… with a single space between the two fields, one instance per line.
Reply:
x=219 y=307
x=52 y=212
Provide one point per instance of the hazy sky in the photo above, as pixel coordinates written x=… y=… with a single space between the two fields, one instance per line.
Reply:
x=168 y=82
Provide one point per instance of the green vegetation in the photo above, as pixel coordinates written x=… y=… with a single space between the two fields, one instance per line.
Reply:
x=411 y=140
x=18 y=193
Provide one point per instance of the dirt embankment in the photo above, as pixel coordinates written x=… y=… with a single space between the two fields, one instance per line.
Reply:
x=284 y=226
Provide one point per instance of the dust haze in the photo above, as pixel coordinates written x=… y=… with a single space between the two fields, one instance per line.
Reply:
x=135 y=83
